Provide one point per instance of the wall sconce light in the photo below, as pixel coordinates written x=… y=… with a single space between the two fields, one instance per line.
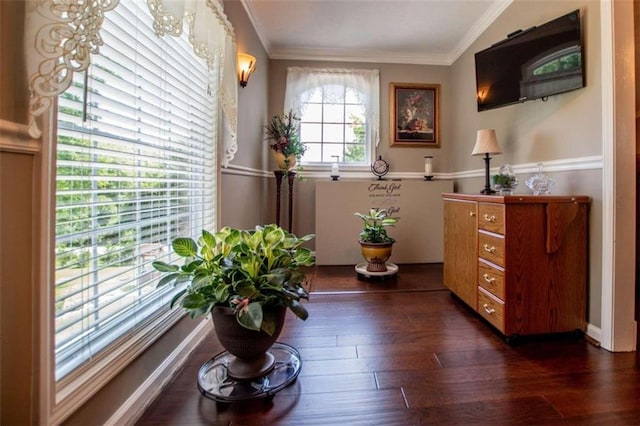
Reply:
x=246 y=66
x=486 y=143
x=428 y=167
x=335 y=168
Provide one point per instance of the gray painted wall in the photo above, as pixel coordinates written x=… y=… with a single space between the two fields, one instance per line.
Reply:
x=565 y=127
x=244 y=200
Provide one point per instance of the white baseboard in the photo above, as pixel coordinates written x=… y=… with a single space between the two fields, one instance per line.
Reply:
x=594 y=332
x=139 y=401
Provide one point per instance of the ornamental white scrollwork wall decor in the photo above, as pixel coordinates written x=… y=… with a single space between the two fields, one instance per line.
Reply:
x=66 y=33
x=69 y=33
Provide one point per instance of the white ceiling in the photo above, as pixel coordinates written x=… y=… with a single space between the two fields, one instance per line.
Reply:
x=432 y=32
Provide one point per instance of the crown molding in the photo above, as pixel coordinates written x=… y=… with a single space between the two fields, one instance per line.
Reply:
x=377 y=56
x=476 y=30
x=372 y=56
x=248 y=8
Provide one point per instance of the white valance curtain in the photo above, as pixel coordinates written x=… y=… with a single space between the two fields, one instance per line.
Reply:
x=302 y=81
x=61 y=35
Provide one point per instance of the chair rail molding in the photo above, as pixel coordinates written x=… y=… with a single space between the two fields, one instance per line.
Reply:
x=14 y=137
x=563 y=165
x=363 y=172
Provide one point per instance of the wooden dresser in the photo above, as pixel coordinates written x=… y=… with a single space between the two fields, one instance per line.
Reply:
x=520 y=261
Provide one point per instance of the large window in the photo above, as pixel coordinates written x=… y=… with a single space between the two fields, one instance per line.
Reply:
x=339 y=112
x=136 y=167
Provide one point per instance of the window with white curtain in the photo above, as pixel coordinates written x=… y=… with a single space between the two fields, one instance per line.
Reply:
x=136 y=167
x=338 y=111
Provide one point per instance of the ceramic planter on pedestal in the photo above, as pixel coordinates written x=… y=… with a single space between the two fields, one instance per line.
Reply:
x=376 y=255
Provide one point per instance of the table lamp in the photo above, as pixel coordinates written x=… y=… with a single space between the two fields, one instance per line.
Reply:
x=486 y=143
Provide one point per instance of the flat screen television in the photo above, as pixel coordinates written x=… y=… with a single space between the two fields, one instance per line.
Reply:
x=530 y=64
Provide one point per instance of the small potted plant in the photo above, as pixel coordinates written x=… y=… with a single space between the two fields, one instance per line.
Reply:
x=285 y=144
x=375 y=243
x=246 y=279
x=505 y=182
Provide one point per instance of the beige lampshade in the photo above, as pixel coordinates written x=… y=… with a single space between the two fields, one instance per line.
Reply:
x=486 y=143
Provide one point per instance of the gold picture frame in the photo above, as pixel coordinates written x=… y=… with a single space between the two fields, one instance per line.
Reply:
x=414 y=115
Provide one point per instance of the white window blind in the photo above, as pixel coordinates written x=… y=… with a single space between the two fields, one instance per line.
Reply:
x=136 y=167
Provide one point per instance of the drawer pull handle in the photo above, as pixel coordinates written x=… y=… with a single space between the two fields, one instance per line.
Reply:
x=488 y=278
x=472 y=214
x=489 y=249
x=488 y=310
x=489 y=218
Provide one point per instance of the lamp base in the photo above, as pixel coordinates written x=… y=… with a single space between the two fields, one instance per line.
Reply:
x=487 y=186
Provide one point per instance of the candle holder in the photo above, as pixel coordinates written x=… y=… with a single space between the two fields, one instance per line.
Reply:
x=428 y=167
x=335 y=168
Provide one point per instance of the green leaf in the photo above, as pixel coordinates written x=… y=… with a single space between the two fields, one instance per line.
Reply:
x=185 y=247
x=191 y=266
x=304 y=257
x=177 y=297
x=252 y=319
x=299 y=310
x=164 y=267
x=269 y=325
x=201 y=280
x=221 y=292
x=208 y=238
x=182 y=279
x=193 y=301
x=167 y=279
x=205 y=309
x=278 y=276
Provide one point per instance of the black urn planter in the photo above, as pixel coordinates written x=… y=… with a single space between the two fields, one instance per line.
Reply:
x=250 y=348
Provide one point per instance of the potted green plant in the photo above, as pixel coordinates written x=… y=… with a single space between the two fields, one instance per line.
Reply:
x=505 y=182
x=246 y=279
x=375 y=243
x=285 y=144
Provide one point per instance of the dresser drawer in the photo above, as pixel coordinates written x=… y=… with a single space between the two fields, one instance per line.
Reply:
x=491 y=279
x=491 y=217
x=491 y=248
x=491 y=309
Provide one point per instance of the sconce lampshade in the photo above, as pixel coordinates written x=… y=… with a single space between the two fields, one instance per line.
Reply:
x=246 y=66
x=486 y=143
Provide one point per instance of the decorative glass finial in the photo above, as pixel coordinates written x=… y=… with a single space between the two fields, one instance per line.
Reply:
x=539 y=183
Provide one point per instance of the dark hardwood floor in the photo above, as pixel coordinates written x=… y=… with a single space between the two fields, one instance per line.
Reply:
x=417 y=357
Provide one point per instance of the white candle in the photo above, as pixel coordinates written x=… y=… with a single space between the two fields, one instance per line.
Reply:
x=427 y=169
x=334 y=169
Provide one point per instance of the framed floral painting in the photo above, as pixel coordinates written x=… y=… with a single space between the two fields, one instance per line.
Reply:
x=415 y=115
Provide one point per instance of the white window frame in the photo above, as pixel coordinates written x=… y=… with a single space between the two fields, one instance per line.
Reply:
x=364 y=81
x=59 y=399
